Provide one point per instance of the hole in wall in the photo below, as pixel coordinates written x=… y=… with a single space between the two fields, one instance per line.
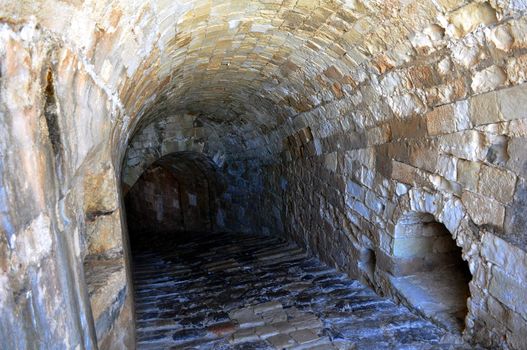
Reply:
x=433 y=278
x=51 y=113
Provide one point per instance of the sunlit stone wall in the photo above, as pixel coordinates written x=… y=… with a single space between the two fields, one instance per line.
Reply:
x=345 y=115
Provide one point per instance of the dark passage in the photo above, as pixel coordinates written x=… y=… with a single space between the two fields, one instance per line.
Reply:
x=177 y=194
x=239 y=291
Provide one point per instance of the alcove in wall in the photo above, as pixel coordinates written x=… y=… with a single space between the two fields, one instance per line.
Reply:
x=431 y=275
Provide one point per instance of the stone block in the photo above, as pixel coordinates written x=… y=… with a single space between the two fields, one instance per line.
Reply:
x=243 y=336
x=496 y=183
x=469 y=17
x=483 y=210
x=517 y=161
x=509 y=291
x=375 y=202
x=469 y=144
x=265 y=331
x=406 y=174
x=408 y=128
x=447 y=167
x=468 y=174
x=484 y=109
x=515 y=218
x=360 y=208
x=330 y=161
x=517 y=69
x=506 y=256
x=304 y=336
x=441 y=120
x=281 y=341
x=267 y=307
x=512 y=102
x=423 y=154
x=355 y=190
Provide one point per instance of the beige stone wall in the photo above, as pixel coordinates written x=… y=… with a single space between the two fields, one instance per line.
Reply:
x=347 y=113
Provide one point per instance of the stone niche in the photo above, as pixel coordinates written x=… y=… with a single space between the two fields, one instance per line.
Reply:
x=428 y=272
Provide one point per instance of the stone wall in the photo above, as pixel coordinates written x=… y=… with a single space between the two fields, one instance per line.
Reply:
x=177 y=193
x=439 y=134
x=335 y=118
x=240 y=180
x=56 y=123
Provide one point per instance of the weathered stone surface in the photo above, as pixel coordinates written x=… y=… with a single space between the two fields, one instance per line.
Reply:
x=483 y=210
x=496 y=183
x=469 y=17
x=183 y=302
x=328 y=121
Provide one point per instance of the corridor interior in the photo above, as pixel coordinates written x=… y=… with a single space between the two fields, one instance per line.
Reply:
x=258 y=174
x=196 y=287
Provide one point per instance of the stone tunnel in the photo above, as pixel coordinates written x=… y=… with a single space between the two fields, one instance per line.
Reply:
x=263 y=174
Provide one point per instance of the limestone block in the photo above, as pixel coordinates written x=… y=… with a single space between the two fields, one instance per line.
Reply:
x=375 y=202
x=512 y=102
x=407 y=174
x=401 y=189
x=360 y=208
x=330 y=161
x=447 y=167
x=488 y=79
x=508 y=290
x=406 y=105
x=104 y=235
x=441 y=120
x=519 y=32
x=423 y=154
x=452 y=214
x=483 y=210
x=506 y=256
x=496 y=183
x=517 y=161
x=469 y=17
x=516 y=220
x=469 y=144
x=34 y=242
x=425 y=202
x=364 y=156
x=408 y=128
x=467 y=52
x=468 y=173
x=101 y=191
x=517 y=69
x=501 y=37
x=449 y=5
x=355 y=190
x=484 y=109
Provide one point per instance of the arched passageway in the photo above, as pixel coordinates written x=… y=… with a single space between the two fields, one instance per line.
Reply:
x=177 y=195
x=327 y=120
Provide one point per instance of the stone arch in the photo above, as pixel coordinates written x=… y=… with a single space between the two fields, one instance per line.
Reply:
x=430 y=264
x=177 y=194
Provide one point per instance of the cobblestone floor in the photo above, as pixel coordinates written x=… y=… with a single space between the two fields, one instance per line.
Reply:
x=231 y=291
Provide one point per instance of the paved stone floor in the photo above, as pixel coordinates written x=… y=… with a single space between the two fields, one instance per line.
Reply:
x=232 y=291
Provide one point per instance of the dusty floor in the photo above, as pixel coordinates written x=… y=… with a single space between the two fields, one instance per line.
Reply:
x=230 y=291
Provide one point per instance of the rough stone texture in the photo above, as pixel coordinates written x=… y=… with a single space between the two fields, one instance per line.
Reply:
x=241 y=291
x=339 y=116
x=179 y=192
